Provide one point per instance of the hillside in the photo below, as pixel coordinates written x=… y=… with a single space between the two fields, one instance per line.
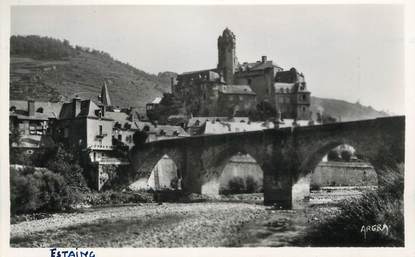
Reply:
x=49 y=69
x=345 y=110
x=77 y=71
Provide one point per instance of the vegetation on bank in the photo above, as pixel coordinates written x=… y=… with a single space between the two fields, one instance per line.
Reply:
x=374 y=210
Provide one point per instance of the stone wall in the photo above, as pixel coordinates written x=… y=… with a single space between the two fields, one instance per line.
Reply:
x=344 y=174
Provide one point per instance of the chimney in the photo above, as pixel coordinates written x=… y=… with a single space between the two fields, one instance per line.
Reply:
x=264 y=58
x=76 y=106
x=172 y=84
x=103 y=109
x=31 y=107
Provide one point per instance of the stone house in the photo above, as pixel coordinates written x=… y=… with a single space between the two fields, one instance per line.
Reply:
x=33 y=121
x=235 y=100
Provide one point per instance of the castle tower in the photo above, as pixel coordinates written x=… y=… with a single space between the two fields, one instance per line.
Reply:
x=105 y=96
x=227 y=60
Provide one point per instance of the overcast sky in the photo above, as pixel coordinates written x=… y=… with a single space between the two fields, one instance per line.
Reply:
x=349 y=52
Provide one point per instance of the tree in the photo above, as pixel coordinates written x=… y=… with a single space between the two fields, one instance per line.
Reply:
x=346 y=155
x=333 y=155
x=140 y=137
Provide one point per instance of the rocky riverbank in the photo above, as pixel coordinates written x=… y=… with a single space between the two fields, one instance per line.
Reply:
x=147 y=225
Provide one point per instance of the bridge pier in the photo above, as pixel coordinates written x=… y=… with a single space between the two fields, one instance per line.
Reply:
x=277 y=191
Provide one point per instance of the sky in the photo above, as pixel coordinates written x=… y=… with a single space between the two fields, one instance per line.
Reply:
x=349 y=52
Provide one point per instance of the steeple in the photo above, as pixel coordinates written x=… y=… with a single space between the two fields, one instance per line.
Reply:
x=105 y=96
x=227 y=60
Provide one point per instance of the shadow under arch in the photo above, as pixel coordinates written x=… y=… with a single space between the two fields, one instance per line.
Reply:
x=302 y=180
x=143 y=163
x=214 y=167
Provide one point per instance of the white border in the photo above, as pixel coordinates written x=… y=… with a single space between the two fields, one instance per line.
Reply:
x=408 y=250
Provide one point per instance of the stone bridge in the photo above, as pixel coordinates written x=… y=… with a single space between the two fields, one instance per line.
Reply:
x=287 y=156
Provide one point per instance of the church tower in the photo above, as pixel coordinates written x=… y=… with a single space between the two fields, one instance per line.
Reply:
x=227 y=61
x=105 y=96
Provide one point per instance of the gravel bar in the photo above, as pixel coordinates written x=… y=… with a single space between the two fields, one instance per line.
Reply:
x=149 y=225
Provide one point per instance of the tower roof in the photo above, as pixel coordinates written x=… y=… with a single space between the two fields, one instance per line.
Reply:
x=105 y=96
x=227 y=34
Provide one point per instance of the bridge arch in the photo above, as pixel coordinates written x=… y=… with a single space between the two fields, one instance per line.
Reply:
x=214 y=162
x=370 y=153
x=144 y=163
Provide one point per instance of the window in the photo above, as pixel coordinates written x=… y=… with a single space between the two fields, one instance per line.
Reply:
x=249 y=81
x=39 y=110
x=304 y=97
x=100 y=130
x=120 y=137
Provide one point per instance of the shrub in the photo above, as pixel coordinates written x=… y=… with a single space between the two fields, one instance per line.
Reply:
x=39 y=190
x=236 y=185
x=23 y=192
x=117 y=197
x=346 y=155
x=333 y=155
x=382 y=207
x=252 y=185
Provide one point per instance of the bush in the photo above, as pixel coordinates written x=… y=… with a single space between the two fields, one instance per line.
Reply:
x=252 y=185
x=117 y=197
x=55 y=187
x=39 y=190
x=346 y=155
x=333 y=155
x=382 y=207
x=236 y=185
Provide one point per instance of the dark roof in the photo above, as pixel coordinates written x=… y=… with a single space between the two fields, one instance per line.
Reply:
x=88 y=109
x=37 y=116
x=169 y=130
x=50 y=109
x=281 y=87
x=253 y=66
x=197 y=72
x=202 y=120
x=236 y=90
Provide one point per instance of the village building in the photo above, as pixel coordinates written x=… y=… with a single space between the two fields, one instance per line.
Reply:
x=99 y=130
x=33 y=120
x=203 y=95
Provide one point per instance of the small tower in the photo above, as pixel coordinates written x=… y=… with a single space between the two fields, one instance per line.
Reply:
x=105 y=96
x=227 y=61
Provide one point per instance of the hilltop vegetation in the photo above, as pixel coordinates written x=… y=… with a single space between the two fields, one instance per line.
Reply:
x=49 y=69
